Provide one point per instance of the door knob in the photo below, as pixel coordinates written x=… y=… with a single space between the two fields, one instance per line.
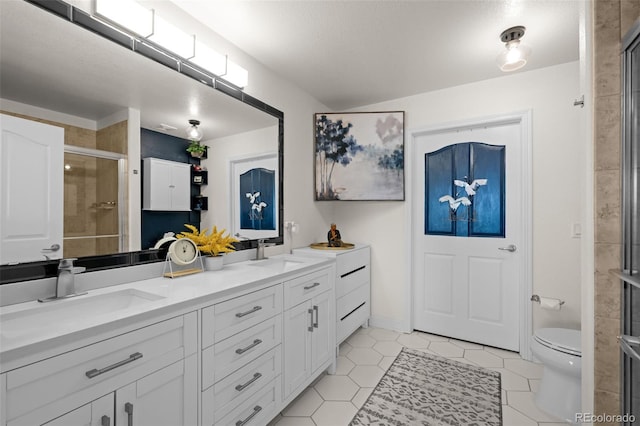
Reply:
x=510 y=248
x=54 y=247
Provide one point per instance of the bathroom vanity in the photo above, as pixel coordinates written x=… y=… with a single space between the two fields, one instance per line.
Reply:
x=227 y=347
x=353 y=286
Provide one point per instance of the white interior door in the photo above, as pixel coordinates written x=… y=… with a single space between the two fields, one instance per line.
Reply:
x=467 y=283
x=31 y=190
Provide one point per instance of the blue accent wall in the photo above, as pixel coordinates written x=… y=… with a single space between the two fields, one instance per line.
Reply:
x=156 y=223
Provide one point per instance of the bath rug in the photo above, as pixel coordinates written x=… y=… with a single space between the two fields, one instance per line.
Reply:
x=425 y=389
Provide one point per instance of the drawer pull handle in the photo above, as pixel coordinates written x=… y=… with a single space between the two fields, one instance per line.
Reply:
x=310 y=312
x=95 y=372
x=105 y=421
x=309 y=287
x=353 y=272
x=250 y=311
x=253 y=345
x=255 y=377
x=128 y=408
x=256 y=410
x=315 y=323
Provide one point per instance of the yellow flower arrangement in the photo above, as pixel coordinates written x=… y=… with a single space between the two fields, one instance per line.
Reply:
x=213 y=244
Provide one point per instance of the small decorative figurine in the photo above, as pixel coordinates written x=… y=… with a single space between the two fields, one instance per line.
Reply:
x=333 y=237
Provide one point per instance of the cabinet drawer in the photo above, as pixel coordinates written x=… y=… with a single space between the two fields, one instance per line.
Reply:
x=303 y=288
x=225 y=319
x=352 y=310
x=223 y=358
x=99 y=368
x=350 y=260
x=229 y=392
x=349 y=281
x=257 y=410
x=349 y=302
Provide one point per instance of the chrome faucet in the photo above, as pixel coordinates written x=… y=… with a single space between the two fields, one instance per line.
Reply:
x=65 y=283
x=260 y=250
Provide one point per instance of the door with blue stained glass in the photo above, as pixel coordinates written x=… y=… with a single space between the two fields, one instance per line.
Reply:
x=467 y=214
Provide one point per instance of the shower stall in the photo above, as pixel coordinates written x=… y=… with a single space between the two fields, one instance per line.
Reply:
x=94 y=197
x=630 y=268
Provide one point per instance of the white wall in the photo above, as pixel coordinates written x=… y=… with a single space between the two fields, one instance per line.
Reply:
x=557 y=187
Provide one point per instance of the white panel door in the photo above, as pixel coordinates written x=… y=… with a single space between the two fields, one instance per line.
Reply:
x=468 y=287
x=31 y=190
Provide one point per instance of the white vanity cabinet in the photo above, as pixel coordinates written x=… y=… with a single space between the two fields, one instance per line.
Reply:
x=244 y=352
x=309 y=331
x=146 y=376
x=353 y=287
x=242 y=359
x=166 y=185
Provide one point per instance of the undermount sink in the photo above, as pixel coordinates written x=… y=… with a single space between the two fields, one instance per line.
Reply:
x=71 y=311
x=278 y=263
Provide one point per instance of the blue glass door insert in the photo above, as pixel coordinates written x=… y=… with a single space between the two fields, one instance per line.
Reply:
x=465 y=190
x=257 y=199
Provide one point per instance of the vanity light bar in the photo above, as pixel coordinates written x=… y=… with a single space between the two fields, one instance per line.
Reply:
x=231 y=84
x=133 y=17
x=128 y=14
x=209 y=59
x=171 y=37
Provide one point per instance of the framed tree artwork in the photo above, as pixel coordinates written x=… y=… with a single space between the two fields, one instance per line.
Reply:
x=359 y=156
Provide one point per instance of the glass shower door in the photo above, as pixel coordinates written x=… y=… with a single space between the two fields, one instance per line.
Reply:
x=630 y=275
x=92 y=204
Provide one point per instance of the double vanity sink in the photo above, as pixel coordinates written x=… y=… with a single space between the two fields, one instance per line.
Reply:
x=233 y=346
x=30 y=323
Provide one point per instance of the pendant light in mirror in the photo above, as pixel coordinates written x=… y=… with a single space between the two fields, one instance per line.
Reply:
x=193 y=132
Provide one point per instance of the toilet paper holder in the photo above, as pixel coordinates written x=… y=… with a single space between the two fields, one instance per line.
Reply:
x=536 y=298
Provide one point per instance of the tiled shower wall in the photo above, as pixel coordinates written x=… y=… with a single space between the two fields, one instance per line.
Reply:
x=612 y=19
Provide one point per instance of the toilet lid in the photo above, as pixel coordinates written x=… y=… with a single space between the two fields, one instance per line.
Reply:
x=561 y=339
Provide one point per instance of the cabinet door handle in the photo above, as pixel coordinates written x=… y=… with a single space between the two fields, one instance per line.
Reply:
x=128 y=408
x=255 y=377
x=309 y=287
x=310 y=312
x=250 y=311
x=256 y=410
x=95 y=372
x=253 y=345
x=105 y=421
x=315 y=323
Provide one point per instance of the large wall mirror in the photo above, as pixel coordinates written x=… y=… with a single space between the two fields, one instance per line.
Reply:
x=58 y=71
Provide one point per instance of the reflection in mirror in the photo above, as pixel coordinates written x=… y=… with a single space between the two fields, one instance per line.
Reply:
x=61 y=73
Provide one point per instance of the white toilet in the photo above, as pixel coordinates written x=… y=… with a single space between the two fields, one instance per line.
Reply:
x=559 y=350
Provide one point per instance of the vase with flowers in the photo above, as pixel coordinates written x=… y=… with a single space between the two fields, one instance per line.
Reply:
x=212 y=244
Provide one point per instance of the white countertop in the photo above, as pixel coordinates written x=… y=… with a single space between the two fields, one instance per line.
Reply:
x=23 y=334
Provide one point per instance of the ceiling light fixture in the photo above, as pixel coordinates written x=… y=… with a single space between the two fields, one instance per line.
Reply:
x=516 y=54
x=193 y=132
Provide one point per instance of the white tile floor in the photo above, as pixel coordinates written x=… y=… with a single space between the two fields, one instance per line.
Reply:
x=333 y=400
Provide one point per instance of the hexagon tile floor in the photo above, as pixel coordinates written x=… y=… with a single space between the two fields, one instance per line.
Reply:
x=333 y=400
